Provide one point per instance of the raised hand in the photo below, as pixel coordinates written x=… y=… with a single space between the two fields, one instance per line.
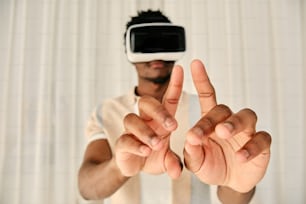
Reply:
x=145 y=144
x=224 y=148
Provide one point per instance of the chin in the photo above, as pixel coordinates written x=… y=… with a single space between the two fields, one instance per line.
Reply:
x=160 y=80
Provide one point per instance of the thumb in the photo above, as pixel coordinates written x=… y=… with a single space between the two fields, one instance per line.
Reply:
x=173 y=164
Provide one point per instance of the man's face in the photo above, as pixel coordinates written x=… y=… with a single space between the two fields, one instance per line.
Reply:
x=156 y=71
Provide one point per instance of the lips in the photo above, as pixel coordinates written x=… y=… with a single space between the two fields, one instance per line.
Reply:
x=157 y=64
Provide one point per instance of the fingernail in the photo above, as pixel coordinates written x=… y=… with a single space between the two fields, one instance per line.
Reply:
x=229 y=126
x=169 y=122
x=155 y=141
x=245 y=153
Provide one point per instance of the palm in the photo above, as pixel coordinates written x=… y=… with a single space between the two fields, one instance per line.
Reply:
x=131 y=163
x=155 y=162
x=221 y=166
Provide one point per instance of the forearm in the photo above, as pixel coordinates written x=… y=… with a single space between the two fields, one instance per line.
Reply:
x=98 y=181
x=229 y=196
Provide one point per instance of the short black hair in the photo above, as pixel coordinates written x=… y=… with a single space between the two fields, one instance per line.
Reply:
x=148 y=16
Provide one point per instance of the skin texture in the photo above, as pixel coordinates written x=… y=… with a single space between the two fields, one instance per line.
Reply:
x=226 y=148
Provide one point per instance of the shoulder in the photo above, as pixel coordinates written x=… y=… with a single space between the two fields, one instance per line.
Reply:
x=117 y=106
x=121 y=102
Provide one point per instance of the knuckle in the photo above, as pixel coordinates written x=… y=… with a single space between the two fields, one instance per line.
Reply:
x=125 y=140
x=251 y=113
x=266 y=137
x=172 y=101
x=225 y=109
x=129 y=118
x=119 y=141
x=207 y=123
x=207 y=94
x=160 y=111
x=237 y=121
x=144 y=99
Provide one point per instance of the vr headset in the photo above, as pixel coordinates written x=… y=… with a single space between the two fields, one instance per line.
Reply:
x=155 y=41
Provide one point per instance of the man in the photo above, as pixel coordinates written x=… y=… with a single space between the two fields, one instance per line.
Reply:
x=154 y=129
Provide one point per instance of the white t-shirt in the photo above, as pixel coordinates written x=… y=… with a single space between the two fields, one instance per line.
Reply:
x=106 y=123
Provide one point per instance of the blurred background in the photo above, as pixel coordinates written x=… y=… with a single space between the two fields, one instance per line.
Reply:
x=60 y=58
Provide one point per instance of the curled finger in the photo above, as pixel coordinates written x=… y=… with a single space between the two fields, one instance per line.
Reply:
x=206 y=125
x=258 y=147
x=243 y=121
x=156 y=115
x=128 y=145
x=137 y=127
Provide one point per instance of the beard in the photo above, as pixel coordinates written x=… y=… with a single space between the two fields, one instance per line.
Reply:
x=159 y=80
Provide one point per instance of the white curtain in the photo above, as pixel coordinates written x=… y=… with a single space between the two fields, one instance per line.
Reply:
x=59 y=58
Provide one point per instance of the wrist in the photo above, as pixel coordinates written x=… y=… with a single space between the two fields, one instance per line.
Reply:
x=230 y=196
x=116 y=170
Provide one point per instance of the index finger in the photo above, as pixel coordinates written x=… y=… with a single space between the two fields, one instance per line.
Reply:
x=174 y=90
x=205 y=89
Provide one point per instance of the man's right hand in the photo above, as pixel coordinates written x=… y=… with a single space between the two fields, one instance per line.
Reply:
x=145 y=144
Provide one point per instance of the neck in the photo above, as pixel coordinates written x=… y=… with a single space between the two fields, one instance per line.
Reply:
x=156 y=90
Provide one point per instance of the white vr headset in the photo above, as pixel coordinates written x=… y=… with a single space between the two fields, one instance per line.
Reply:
x=155 y=41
